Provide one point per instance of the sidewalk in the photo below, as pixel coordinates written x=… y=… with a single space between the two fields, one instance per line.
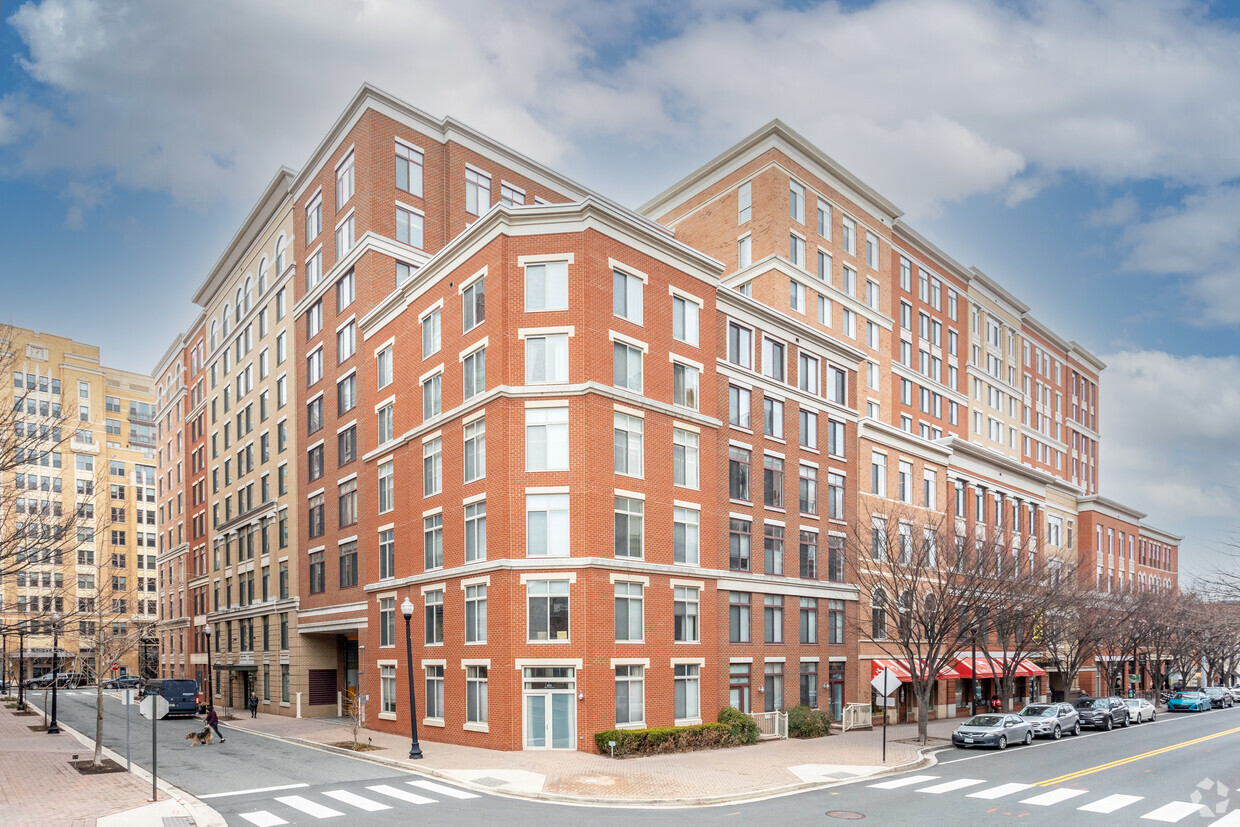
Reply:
x=766 y=768
x=39 y=784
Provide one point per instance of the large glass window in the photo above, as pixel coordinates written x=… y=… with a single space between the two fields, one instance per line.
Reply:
x=630 y=694
x=547 y=610
x=685 y=608
x=628 y=611
x=546 y=286
x=546 y=439
x=685 y=535
x=546 y=521
x=629 y=527
x=628 y=444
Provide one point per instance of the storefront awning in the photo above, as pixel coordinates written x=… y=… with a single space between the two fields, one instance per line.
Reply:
x=992 y=667
x=901 y=671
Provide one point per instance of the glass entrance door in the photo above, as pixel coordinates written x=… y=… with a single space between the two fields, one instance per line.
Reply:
x=550 y=708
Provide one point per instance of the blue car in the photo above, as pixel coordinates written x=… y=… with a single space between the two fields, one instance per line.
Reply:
x=1189 y=702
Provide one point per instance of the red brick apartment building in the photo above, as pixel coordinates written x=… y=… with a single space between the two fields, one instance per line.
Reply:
x=690 y=408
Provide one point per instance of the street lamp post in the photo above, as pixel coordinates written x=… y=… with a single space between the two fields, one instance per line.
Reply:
x=5 y=666
x=21 y=666
x=406 y=608
x=210 y=675
x=973 y=698
x=52 y=728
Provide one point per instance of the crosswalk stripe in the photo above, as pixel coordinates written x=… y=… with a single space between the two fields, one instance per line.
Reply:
x=1000 y=791
x=384 y=789
x=903 y=782
x=346 y=797
x=310 y=808
x=1110 y=804
x=1176 y=810
x=1232 y=819
x=451 y=792
x=262 y=818
x=1053 y=797
x=948 y=786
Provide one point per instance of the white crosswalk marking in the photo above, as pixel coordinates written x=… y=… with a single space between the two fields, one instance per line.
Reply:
x=451 y=792
x=903 y=782
x=346 y=797
x=1232 y=819
x=384 y=789
x=1176 y=810
x=948 y=786
x=1110 y=804
x=1000 y=791
x=1053 y=797
x=262 y=818
x=310 y=808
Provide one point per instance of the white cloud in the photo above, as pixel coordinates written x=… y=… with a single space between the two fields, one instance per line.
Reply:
x=1171 y=434
x=1199 y=240
x=930 y=100
x=1118 y=213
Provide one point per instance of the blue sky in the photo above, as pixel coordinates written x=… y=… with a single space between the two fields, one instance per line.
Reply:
x=1085 y=155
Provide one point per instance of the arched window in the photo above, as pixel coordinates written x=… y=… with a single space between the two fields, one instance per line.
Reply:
x=213 y=331
x=224 y=321
x=247 y=294
x=906 y=612
x=262 y=276
x=878 y=615
x=280 y=244
x=239 y=301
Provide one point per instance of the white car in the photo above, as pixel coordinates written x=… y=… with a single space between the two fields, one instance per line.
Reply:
x=1235 y=692
x=1139 y=709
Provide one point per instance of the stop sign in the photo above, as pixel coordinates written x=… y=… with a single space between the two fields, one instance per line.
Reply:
x=116 y=667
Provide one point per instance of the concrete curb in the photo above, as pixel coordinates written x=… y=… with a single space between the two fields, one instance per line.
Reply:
x=924 y=758
x=202 y=814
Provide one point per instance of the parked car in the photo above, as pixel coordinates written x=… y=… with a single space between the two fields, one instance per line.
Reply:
x=63 y=680
x=1220 y=697
x=1139 y=709
x=1102 y=713
x=182 y=695
x=1052 y=719
x=123 y=682
x=993 y=731
x=1191 y=701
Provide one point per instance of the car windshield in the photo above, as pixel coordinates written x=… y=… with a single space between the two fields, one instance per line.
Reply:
x=1131 y=702
x=1185 y=696
x=984 y=720
x=1091 y=703
x=1038 y=712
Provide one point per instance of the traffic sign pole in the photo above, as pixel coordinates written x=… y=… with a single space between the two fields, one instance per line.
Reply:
x=885 y=683
x=127 y=699
x=154 y=746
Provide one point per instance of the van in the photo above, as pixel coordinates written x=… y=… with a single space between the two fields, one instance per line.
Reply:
x=181 y=695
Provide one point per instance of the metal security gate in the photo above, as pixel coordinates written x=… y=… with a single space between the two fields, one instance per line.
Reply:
x=771 y=725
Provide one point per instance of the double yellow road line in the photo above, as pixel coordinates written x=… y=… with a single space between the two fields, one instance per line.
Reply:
x=1072 y=776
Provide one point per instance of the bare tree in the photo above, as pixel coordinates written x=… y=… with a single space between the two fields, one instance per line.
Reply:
x=1068 y=632
x=1120 y=633
x=928 y=592
x=1185 y=645
x=1157 y=620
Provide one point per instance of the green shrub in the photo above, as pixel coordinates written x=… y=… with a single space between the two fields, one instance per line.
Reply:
x=742 y=727
x=804 y=722
x=664 y=740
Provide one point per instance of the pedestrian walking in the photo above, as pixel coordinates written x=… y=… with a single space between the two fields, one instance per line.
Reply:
x=253 y=704
x=213 y=721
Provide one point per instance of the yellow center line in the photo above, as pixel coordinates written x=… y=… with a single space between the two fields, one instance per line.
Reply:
x=1080 y=773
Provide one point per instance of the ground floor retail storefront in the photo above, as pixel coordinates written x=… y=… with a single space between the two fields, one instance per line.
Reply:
x=967 y=681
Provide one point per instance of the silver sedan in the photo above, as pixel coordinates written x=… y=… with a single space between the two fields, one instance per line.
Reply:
x=993 y=730
x=1139 y=709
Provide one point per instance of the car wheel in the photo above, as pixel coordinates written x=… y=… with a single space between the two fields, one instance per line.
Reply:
x=1153 y=716
x=1127 y=721
x=1076 y=728
x=1028 y=738
x=1002 y=742
x=1107 y=724
x=1057 y=734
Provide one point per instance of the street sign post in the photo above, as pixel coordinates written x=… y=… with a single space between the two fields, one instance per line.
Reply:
x=885 y=683
x=154 y=707
x=153 y=703
x=127 y=700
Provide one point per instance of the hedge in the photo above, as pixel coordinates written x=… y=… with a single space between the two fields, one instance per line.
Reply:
x=663 y=740
x=804 y=722
x=735 y=728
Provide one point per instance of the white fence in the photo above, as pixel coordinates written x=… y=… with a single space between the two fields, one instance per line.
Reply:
x=771 y=725
x=858 y=716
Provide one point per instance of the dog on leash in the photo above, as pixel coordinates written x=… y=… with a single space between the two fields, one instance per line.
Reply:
x=197 y=738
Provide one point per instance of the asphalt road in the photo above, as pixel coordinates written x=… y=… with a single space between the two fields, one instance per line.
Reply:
x=1144 y=774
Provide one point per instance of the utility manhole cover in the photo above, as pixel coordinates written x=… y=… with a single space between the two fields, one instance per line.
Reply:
x=846 y=815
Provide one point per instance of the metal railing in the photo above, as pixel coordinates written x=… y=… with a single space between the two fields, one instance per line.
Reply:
x=771 y=725
x=857 y=716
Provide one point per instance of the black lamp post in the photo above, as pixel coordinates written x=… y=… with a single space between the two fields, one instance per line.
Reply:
x=21 y=666
x=210 y=698
x=52 y=729
x=973 y=699
x=4 y=667
x=406 y=609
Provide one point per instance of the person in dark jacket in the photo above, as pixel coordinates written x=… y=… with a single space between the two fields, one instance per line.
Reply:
x=213 y=721
x=253 y=704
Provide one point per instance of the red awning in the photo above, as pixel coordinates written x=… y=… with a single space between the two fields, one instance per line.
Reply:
x=1025 y=669
x=1028 y=669
x=901 y=671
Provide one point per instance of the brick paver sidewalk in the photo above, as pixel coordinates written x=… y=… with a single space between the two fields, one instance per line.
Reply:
x=38 y=784
x=741 y=772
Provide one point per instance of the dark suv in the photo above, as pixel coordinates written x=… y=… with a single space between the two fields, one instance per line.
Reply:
x=1102 y=713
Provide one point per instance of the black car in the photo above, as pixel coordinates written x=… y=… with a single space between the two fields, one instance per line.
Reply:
x=1102 y=713
x=123 y=682
x=1220 y=697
